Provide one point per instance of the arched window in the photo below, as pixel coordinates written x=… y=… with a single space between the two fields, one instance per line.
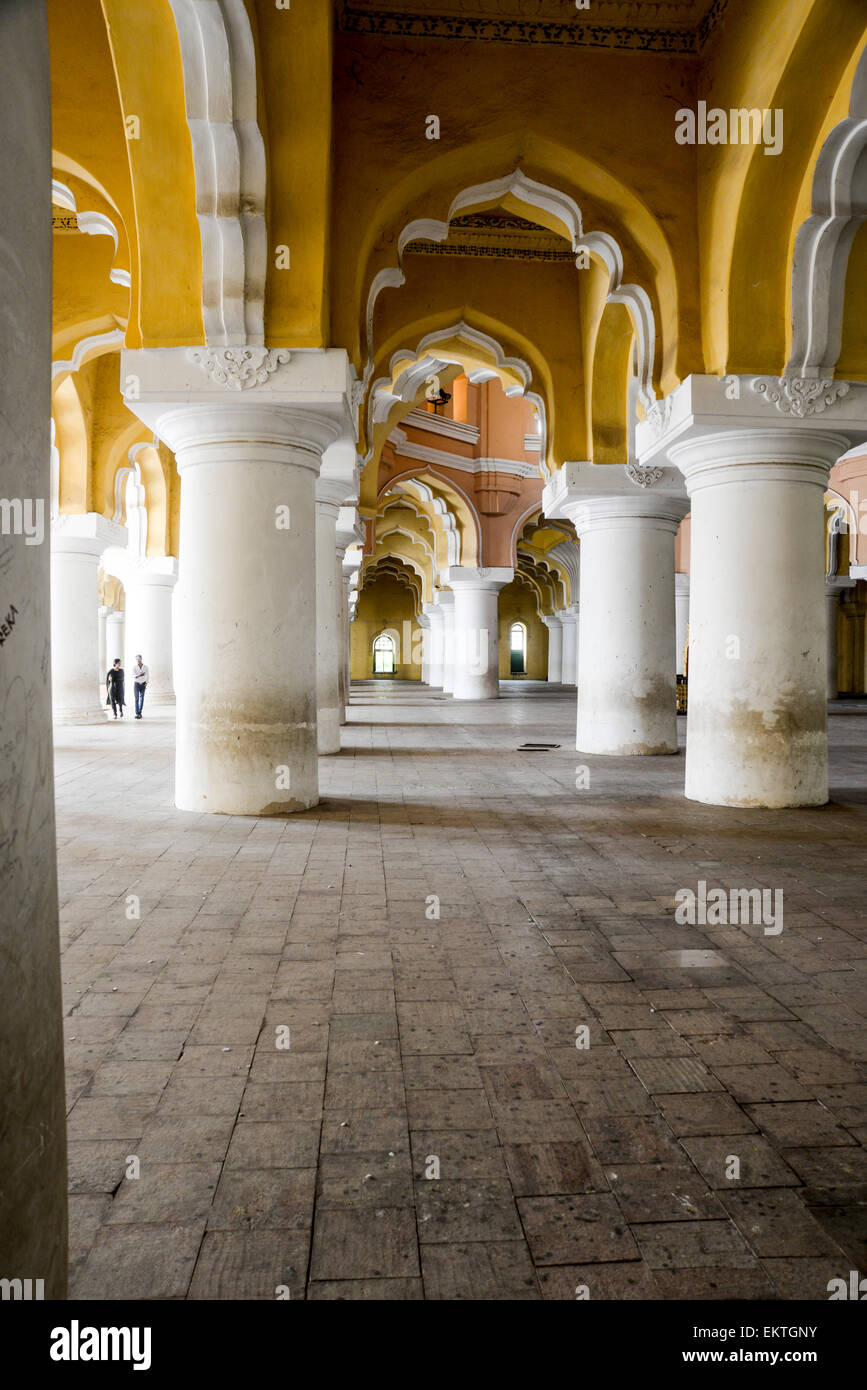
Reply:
x=383 y=655
x=518 y=649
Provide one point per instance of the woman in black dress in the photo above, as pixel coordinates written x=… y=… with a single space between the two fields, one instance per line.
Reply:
x=114 y=694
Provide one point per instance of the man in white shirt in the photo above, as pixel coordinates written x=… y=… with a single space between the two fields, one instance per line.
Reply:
x=140 y=678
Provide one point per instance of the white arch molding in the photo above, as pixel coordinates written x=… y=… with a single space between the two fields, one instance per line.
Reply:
x=403 y=389
x=220 y=91
x=447 y=519
x=566 y=210
x=838 y=209
x=92 y=224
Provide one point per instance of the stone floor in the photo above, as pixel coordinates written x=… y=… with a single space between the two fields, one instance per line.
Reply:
x=434 y=1128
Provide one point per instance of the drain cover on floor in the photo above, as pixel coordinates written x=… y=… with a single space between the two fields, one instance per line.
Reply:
x=536 y=747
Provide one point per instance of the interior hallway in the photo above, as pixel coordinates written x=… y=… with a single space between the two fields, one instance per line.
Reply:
x=412 y=1038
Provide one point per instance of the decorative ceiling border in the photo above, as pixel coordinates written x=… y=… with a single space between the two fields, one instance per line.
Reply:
x=627 y=38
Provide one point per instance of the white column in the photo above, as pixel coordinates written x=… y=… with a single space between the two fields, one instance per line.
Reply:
x=569 y=623
x=329 y=497
x=555 y=648
x=114 y=634
x=32 y=1113
x=436 y=638
x=758 y=625
x=102 y=665
x=148 y=592
x=446 y=604
x=681 y=617
x=248 y=429
x=349 y=532
x=425 y=624
x=76 y=545
x=626 y=645
x=476 y=632
x=351 y=566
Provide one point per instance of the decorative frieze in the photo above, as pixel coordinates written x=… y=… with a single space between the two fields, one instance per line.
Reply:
x=238 y=368
x=799 y=396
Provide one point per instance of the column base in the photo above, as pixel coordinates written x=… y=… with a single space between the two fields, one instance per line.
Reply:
x=96 y=715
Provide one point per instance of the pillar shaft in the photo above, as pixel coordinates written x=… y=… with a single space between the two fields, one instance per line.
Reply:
x=33 y=1177
x=329 y=627
x=569 y=621
x=555 y=649
x=758 y=625
x=626 y=644
x=148 y=626
x=476 y=631
x=435 y=644
x=76 y=545
x=246 y=634
x=446 y=604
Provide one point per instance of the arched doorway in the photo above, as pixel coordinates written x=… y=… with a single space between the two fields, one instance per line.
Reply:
x=384 y=653
x=518 y=649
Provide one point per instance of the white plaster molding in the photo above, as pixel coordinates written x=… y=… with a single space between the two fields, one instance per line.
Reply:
x=474 y=338
x=303 y=402
x=477 y=577
x=799 y=396
x=637 y=302
x=568 y=554
x=519 y=468
x=642 y=477
x=705 y=404
x=238 y=368
x=446 y=518
x=838 y=208
x=441 y=424
x=567 y=211
x=533 y=443
x=220 y=91
x=87 y=348
x=404 y=390
x=85 y=533
x=92 y=224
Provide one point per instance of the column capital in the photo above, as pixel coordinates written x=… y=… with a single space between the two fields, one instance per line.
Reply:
x=444 y=598
x=330 y=494
x=598 y=496
x=85 y=533
x=707 y=405
x=681 y=584
x=156 y=571
x=483 y=577
x=551 y=620
x=349 y=530
x=739 y=455
x=206 y=402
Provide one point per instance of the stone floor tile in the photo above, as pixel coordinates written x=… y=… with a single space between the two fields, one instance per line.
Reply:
x=576 y=1230
x=139 y=1262
x=777 y=1224
x=254 y=1264
x=364 y=1243
x=479 y=1271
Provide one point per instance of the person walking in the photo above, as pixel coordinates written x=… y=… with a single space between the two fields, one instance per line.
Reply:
x=140 y=677
x=114 y=688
